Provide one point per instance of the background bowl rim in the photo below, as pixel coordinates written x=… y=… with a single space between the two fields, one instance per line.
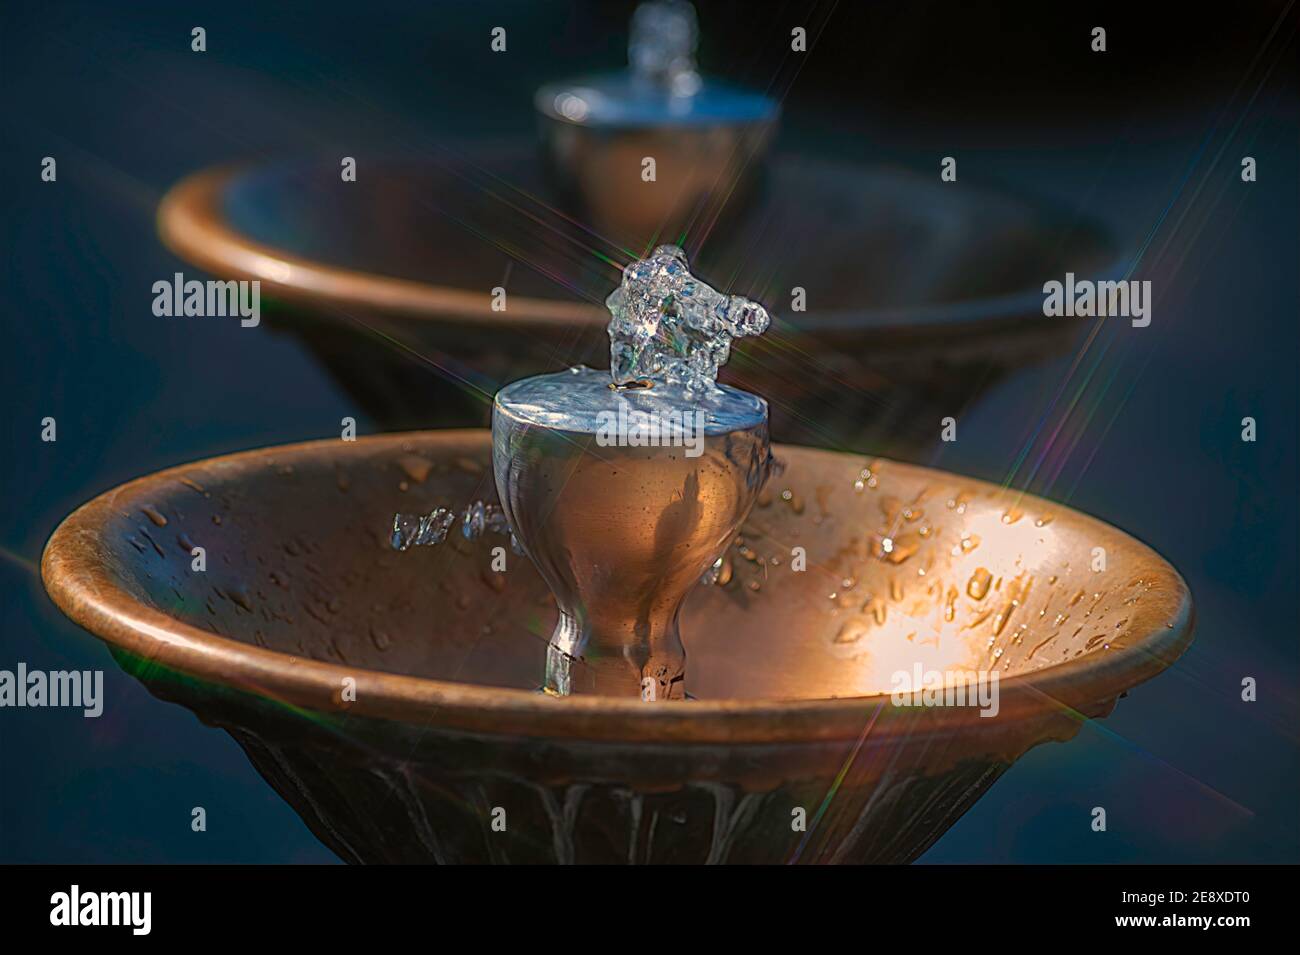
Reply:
x=192 y=224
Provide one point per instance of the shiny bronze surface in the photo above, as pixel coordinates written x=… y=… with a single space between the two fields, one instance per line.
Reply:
x=302 y=594
x=698 y=170
x=621 y=534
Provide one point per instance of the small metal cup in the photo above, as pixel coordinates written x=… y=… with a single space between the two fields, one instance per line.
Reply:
x=621 y=534
x=707 y=140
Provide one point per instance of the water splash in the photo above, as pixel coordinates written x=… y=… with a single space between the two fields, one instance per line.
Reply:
x=423 y=530
x=667 y=325
x=662 y=45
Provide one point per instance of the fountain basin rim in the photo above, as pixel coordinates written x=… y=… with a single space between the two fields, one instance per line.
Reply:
x=80 y=584
x=192 y=224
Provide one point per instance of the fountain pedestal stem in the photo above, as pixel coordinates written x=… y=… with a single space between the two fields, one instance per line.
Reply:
x=620 y=531
x=610 y=660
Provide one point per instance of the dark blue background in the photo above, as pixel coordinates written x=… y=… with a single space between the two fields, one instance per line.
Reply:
x=1149 y=140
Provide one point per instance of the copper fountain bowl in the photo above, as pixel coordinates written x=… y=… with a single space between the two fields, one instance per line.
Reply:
x=302 y=593
x=920 y=295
